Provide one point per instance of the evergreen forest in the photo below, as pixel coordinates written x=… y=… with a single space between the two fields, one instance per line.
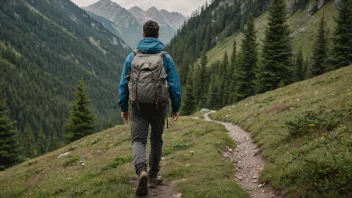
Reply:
x=255 y=66
x=46 y=47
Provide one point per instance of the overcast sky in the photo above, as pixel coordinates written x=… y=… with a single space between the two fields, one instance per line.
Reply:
x=186 y=7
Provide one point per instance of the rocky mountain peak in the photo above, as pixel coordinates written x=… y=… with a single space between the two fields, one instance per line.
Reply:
x=105 y=4
x=136 y=9
x=152 y=9
x=128 y=23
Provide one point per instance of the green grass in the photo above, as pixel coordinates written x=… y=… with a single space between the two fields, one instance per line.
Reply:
x=191 y=157
x=198 y=115
x=298 y=21
x=306 y=132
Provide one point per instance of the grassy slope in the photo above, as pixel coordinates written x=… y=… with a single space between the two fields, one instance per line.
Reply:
x=313 y=157
x=109 y=169
x=296 y=21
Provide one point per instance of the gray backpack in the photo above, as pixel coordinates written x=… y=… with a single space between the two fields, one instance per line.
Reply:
x=148 y=82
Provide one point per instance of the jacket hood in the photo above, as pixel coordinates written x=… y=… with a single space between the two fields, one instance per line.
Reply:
x=150 y=45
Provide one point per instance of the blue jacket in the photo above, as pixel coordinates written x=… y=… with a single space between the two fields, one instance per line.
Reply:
x=151 y=46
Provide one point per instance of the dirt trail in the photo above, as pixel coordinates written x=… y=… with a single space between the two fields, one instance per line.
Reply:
x=164 y=190
x=248 y=163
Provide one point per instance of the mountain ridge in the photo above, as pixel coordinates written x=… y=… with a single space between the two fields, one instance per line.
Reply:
x=129 y=21
x=126 y=25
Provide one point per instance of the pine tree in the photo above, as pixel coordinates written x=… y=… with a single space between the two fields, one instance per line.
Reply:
x=226 y=87
x=234 y=52
x=200 y=80
x=342 y=47
x=245 y=72
x=184 y=66
x=306 y=69
x=239 y=61
x=9 y=150
x=205 y=79
x=189 y=103
x=231 y=73
x=54 y=142
x=41 y=143
x=300 y=71
x=275 y=69
x=319 y=58
x=213 y=101
x=207 y=39
x=223 y=78
x=28 y=146
x=81 y=121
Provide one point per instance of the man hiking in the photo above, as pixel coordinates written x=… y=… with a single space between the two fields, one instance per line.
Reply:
x=149 y=78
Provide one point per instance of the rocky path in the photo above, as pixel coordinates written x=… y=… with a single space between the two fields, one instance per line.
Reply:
x=247 y=161
x=164 y=190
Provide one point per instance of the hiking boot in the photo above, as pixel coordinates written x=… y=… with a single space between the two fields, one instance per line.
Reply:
x=154 y=182
x=142 y=185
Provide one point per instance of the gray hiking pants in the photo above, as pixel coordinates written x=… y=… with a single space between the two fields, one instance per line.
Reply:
x=141 y=119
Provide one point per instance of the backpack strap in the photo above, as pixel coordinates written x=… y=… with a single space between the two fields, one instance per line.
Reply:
x=162 y=53
x=136 y=51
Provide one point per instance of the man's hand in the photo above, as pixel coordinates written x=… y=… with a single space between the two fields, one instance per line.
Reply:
x=125 y=116
x=174 y=116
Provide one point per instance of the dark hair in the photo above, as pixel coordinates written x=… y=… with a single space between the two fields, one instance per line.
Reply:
x=151 y=29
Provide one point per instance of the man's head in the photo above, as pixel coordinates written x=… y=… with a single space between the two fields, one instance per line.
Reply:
x=151 y=29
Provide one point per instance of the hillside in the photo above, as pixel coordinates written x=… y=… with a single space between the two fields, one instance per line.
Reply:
x=46 y=47
x=304 y=131
x=101 y=165
x=207 y=26
x=213 y=75
x=303 y=28
x=214 y=27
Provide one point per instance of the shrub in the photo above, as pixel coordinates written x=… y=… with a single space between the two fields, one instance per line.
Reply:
x=313 y=122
